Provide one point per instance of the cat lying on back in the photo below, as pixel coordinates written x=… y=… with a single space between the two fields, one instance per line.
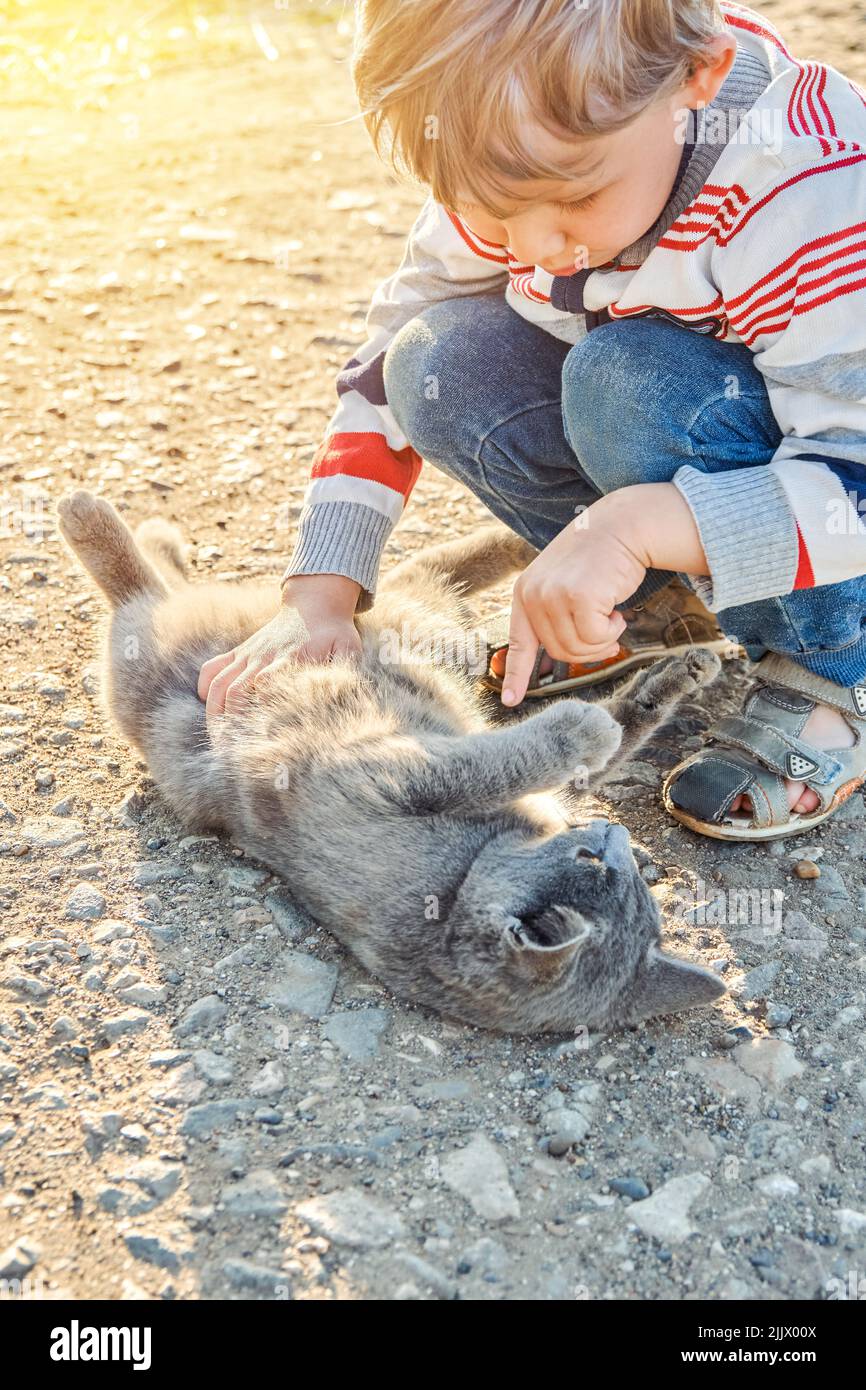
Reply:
x=401 y=821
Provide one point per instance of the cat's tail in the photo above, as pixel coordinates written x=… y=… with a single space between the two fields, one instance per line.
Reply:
x=106 y=547
x=165 y=547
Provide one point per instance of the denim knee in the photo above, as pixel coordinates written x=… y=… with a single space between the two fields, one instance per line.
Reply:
x=408 y=361
x=421 y=364
x=643 y=398
x=604 y=388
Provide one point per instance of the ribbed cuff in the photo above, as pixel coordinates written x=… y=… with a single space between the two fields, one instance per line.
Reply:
x=748 y=533
x=341 y=538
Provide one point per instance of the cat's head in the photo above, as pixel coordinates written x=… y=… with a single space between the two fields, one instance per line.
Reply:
x=563 y=935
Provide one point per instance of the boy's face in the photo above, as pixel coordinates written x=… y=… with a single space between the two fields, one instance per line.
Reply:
x=625 y=180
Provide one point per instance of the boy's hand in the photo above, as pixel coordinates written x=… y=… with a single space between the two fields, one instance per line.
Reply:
x=565 y=600
x=326 y=604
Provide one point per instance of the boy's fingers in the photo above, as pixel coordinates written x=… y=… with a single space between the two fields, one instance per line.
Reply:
x=240 y=690
x=596 y=629
x=211 y=669
x=582 y=641
x=216 y=696
x=522 y=651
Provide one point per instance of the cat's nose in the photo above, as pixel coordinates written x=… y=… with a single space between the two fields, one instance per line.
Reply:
x=617 y=848
x=590 y=840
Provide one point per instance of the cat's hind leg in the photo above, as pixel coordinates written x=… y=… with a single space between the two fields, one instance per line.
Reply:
x=472 y=564
x=106 y=547
x=164 y=545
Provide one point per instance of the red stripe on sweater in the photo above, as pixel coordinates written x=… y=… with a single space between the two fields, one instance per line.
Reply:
x=794 y=101
x=820 y=130
x=858 y=229
x=726 y=205
x=747 y=323
x=735 y=188
x=464 y=234
x=828 y=114
x=807 y=308
x=757 y=207
x=522 y=284
x=721 y=214
x=800 y=286
x=368 y=455
x=762 y=33
x=805 y=577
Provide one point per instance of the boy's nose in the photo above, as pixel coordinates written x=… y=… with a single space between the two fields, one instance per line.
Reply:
x=555 y=257
x=551 y=249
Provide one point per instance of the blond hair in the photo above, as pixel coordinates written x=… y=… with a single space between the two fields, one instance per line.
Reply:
x=448 y=88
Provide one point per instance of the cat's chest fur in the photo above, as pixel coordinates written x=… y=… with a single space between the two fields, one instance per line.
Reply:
x=333 y=809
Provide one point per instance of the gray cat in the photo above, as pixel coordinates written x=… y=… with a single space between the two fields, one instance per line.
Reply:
x=420 y=836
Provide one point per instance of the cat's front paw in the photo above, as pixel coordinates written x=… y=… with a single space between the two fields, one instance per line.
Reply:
x=585 y=735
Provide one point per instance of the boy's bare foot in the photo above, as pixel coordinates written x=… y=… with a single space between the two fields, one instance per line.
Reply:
x=826 y=729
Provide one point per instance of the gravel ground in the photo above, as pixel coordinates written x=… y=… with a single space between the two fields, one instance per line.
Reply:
x=201 y=1095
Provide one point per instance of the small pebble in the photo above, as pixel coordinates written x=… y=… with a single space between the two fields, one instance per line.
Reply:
x=734 y=1037
x=778 y=1015
x=629 y=1187
x=806 y=868
x=558 y=1145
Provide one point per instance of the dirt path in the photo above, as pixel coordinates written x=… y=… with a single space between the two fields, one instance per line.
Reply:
x=189 y=252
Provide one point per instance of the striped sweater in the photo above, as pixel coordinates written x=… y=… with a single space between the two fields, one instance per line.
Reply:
x=762 y=242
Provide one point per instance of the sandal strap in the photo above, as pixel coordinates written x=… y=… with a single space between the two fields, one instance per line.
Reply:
x=773 y=669
x=778 y=750
x=707 y=782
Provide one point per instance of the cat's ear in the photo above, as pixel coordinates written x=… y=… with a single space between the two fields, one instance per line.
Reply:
x=668 y=985
x=545 y=944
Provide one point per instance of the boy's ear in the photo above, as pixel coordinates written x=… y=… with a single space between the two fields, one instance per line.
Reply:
x=708 y=73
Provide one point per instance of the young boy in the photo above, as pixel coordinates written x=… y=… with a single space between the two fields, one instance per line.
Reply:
x=674 y=379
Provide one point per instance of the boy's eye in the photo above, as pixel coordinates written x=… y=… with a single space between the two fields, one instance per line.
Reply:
x=577 y=206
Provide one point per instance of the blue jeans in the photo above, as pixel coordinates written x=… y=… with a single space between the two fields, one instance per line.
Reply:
x=539 y=429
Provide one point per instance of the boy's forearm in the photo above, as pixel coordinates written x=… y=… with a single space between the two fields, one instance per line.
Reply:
x=656 y=524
